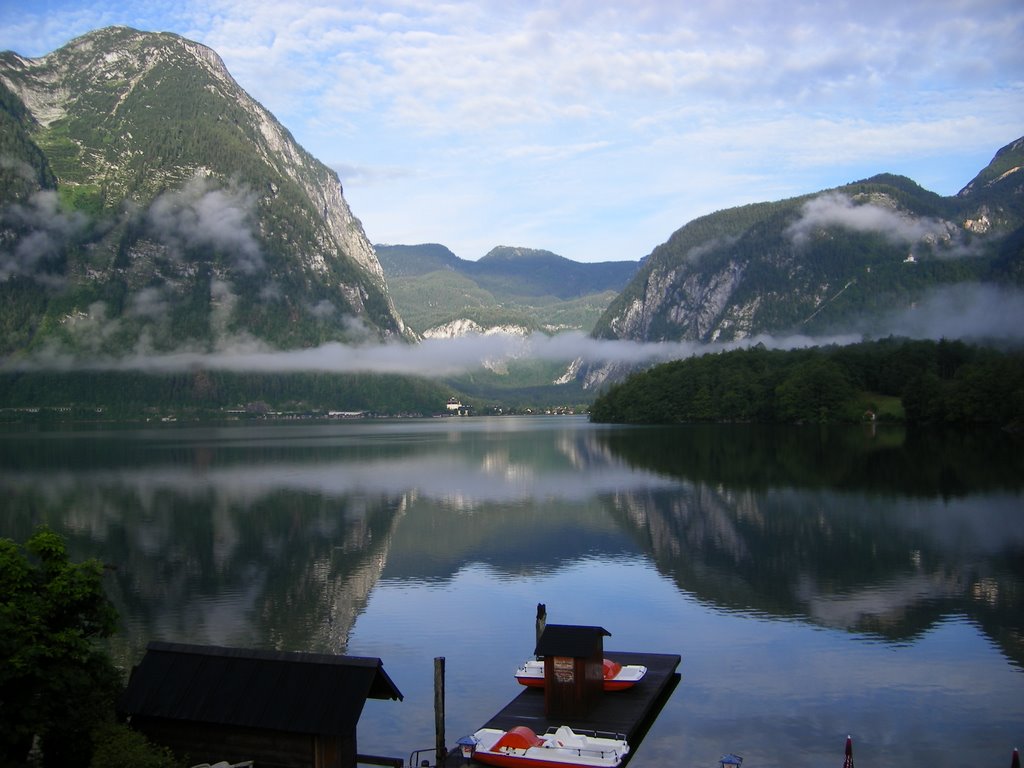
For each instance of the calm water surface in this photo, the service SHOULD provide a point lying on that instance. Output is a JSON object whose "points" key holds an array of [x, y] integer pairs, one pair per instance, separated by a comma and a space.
{"points": [[816, 583]]}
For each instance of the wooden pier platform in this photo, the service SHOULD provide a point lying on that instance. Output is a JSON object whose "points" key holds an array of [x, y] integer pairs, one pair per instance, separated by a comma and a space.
{"points": [[630, 712]]}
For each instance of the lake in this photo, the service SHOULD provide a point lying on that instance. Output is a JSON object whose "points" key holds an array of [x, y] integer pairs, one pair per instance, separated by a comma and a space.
{"points": [[816, 582]]}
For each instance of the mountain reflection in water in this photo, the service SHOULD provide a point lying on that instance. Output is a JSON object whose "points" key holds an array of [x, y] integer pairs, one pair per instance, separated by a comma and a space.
{"points": [[787, 566]]}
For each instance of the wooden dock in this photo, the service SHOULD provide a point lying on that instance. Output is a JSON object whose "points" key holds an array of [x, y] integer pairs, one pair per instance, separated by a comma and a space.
{"points": [[630, 712]]}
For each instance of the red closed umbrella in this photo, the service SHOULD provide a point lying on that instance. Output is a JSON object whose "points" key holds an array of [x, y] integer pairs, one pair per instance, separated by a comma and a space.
{"points": [[848, 762], [1015, 761]]}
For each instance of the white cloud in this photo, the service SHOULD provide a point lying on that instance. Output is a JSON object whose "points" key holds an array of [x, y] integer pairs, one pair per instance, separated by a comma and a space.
{"points": [[38, 231], [323, 309], [148, 302], [834, 209], [597, 128], [203, 215], [967, 312]]}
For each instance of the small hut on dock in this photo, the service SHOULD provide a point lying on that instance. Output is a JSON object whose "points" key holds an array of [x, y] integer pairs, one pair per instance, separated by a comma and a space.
{"points": [[280, 709], [573, 668]]}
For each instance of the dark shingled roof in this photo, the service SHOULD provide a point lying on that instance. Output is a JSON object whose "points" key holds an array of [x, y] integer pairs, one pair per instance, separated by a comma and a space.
{"points": [[570, 640], [275, 690]]}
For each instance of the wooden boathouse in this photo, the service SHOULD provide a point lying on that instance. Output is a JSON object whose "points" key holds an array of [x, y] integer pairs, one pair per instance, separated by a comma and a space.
{"points": [[280, 709]]}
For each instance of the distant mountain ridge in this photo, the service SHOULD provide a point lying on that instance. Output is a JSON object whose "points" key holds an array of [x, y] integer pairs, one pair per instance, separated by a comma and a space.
{"points": [[148, 204], [527, 289], [818, 262]]}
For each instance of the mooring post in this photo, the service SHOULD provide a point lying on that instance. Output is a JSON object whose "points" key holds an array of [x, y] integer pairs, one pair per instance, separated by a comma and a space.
{"points": [[542, 620], [439, 709]]}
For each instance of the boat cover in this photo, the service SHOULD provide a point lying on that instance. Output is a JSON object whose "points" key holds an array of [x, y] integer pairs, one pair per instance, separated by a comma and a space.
{"points": [[519, 737], [611, 669]]}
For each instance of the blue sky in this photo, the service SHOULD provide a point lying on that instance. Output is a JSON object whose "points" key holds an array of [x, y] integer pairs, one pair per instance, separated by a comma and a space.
{"points": [[595, 129]]}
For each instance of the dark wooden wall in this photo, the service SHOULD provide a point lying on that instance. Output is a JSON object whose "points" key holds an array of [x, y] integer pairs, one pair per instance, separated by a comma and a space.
{"points": [[202, 742], [575, 697]]}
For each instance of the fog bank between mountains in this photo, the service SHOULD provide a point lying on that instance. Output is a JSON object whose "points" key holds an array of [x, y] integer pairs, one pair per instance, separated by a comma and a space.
{"points": [[970, 312]]}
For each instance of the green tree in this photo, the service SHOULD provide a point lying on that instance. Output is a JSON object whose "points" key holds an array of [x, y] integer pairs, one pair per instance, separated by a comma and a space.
{"points": [[56, 682], [815, 391], [118, 746]]}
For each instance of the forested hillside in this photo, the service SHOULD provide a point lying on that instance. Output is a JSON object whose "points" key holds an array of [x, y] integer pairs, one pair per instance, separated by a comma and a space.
{"points": [[149, 204], [894, 379], [525, 288], [111, 395]]}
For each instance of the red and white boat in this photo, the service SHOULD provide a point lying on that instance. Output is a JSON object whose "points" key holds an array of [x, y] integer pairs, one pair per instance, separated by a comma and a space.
{"points": [[616, 676], [557, 748]]}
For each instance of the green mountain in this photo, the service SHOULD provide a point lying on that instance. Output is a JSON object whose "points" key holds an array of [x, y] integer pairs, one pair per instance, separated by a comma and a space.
{"points": [[438, 293], [828, 262], [148, 204]]}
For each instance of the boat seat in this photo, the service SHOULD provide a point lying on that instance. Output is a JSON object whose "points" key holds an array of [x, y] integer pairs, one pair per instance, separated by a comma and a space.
{"points": [[566, 737]]}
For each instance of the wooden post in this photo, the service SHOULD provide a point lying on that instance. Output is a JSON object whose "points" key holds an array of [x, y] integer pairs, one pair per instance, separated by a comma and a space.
{"points": [[442, 752], [542, 619]]}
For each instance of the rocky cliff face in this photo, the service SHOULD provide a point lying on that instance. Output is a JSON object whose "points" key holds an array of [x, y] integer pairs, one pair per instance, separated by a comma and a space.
{"points": [[174, 208], [818, 262], [692, 302], [466, 327], [839, 261]]}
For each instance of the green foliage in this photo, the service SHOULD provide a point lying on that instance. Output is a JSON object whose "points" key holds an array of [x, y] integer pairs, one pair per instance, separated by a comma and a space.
{"points": [[22, 302], [414, 260], [533, 289], [63, 154], [431, 299], [435, 298], [705, 243], [206, 394], [142, 129], [937, 382], [907, 193], [85, 198], [118, 746], [1008, 265], [816, 390], [25, 168], [525, 385], [55, 681], [1006, 159], [531, 274]]}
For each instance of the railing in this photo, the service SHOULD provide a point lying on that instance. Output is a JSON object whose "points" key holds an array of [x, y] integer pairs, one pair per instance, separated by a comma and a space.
{"points": [[593, 734], [416, 759], [589, 749]]}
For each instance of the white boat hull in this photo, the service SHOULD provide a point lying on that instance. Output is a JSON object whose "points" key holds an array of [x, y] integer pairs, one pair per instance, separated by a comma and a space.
{"points": [[560, 747], [617, 677]]}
